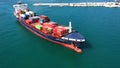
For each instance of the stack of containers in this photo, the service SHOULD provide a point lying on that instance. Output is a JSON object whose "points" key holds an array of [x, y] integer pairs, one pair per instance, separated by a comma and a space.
{"points": [[43, 19], [30, 13], [19, 13], [59, 31], [34, 19], [48, 27], [28, 21]]}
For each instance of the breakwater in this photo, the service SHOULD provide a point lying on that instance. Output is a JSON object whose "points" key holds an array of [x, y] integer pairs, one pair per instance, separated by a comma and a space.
{"points": [[81, 4]]}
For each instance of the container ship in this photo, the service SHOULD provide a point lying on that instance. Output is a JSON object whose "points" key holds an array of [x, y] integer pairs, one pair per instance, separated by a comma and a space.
{"points": [[42, 26]]}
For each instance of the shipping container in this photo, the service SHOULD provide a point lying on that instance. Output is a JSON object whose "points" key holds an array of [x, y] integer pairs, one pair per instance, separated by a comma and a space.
{"points": [[60, 31], [44, 18]]}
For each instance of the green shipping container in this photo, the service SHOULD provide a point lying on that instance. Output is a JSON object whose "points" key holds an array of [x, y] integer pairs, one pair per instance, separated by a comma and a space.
{"points": [[49, 29], [39, 27]]}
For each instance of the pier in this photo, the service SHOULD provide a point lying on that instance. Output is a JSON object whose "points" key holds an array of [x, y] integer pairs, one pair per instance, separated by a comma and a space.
{"points": [[82, 4]]}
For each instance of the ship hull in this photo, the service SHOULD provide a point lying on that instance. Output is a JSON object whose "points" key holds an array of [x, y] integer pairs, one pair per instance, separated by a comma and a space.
{"points": [[50, 38]]}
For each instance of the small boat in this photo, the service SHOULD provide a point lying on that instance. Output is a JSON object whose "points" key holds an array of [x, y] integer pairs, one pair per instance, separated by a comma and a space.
{"points": [[41, 26]]}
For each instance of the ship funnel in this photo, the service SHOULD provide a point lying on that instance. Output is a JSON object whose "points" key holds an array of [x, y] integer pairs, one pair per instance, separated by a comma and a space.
{"points": [[70, 27]]}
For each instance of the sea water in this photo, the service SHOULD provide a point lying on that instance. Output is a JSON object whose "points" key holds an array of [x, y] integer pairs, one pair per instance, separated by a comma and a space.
{"points": [[19, 48]]}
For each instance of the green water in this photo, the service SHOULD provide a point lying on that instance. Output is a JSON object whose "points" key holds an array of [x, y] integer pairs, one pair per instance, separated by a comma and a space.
{"points": [[19, 48]]}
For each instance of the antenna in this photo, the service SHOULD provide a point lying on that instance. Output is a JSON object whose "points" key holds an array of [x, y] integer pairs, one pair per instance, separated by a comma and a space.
{"points": [[70, 27]]}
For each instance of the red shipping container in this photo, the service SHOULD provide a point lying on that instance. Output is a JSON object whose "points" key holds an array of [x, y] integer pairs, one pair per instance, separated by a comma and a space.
{"points": [[46, 31], [60, 31], [50, 25], [20, 18], [28, 21], [45, 18]]}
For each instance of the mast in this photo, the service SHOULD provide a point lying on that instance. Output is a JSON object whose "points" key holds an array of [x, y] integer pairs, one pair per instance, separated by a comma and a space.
{"points": [[70, 27]]}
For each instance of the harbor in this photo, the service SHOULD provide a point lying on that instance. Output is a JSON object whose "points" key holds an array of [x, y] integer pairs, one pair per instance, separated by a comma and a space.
{"points": [[81, 4]]}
